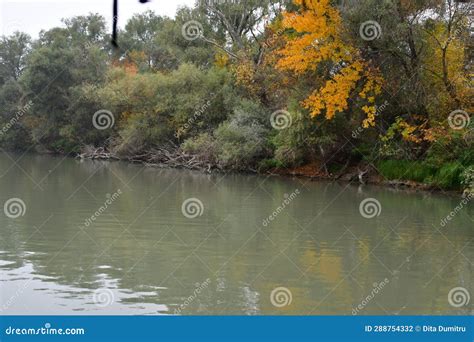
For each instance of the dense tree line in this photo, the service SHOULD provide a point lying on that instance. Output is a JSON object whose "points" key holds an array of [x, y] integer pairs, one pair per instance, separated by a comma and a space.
{"points": [[383, 87]]}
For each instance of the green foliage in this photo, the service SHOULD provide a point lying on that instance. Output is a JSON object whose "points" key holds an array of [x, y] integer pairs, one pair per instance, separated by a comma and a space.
{"points": [[449, 176], [204, 146], [213, 96], [241, 141], [406, 170], [468, 179]]}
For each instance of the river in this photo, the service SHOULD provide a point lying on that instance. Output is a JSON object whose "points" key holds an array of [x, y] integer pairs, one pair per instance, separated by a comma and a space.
{"points": [[95, 237]]}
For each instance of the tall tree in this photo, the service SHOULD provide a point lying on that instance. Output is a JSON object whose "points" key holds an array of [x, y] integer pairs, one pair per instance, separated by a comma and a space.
{"points": [[13, 52]]}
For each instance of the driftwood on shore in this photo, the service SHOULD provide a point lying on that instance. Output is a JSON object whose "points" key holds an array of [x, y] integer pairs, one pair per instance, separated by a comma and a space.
{"points": [[158, 157]]}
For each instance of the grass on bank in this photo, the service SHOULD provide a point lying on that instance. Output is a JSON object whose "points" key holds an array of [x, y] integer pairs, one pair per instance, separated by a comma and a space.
{"points": [[448, 176]]}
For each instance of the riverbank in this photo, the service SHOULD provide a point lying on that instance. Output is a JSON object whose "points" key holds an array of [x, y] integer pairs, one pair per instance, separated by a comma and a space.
{"points": [[361, 173]]}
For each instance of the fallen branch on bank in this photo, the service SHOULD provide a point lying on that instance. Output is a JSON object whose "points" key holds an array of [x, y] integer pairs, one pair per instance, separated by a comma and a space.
{"points": [[158, 157]]}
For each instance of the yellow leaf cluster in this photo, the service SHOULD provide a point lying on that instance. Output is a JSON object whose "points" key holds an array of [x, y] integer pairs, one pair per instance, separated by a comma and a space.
{"points": [[221, 60], [318, 38], [245, 75]]}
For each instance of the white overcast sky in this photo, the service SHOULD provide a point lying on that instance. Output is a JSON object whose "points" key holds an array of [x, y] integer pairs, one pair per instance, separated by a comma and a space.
{"points": [[31, 16]]}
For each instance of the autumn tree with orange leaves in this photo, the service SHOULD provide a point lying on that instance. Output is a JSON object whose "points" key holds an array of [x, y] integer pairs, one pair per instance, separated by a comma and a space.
{"points": [[316, 41]]}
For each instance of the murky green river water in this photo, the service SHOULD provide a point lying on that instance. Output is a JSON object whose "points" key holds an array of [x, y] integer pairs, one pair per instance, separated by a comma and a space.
{"points": [[84, 237]]}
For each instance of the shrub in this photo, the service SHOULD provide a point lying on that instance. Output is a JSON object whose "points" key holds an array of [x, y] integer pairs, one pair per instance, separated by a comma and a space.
{"points": [[204, 146], [242, 140]]}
